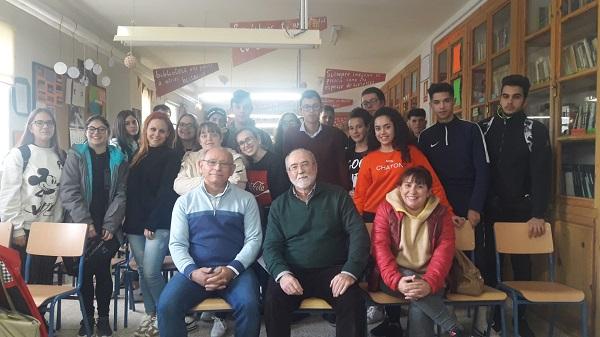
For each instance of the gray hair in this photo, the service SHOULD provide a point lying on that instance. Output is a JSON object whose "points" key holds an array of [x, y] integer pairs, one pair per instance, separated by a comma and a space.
{"points": [[309, 153]]}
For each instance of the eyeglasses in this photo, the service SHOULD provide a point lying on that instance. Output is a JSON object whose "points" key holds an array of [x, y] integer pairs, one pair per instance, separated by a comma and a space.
{"points": [[247, 141], [314, 107], [40, 124], [100, 130], [214, 163], [295, 167], [370, 102], [186, 125]]}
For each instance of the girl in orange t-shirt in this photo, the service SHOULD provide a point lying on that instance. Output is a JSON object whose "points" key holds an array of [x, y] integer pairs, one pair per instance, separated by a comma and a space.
{"points": [[391, 153]]}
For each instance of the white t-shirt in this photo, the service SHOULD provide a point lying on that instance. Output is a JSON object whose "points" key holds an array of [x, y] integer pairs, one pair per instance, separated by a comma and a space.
{"points": [[30, 195]]}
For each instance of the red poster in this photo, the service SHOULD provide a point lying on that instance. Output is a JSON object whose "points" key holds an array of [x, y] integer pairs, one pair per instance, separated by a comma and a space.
{"points": [[243, 55], [338, 80], [336, 102], [169, 79]]}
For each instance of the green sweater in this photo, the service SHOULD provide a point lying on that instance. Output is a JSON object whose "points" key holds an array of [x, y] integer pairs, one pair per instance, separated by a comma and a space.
{"points": [[325, 232]]}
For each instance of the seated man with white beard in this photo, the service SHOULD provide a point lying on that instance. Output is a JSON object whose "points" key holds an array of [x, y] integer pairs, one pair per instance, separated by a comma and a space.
{"points": [[316, 246]]}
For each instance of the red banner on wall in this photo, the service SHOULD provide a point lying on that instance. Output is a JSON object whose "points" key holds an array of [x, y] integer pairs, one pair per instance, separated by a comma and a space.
{"points": [[336, 102], [338, 80], [173, 78], [243, 55]]}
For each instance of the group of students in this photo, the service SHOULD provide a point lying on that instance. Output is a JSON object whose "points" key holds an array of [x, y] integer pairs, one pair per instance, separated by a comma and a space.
{"points": [[414, 189]]}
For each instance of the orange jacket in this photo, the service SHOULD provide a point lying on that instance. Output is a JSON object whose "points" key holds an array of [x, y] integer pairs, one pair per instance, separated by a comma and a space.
{"points": [[379, 173]]}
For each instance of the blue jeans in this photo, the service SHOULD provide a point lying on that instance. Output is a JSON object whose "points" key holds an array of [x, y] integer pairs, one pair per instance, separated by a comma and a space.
{"points": [[181, 294], [423, 313], [149, 256]]}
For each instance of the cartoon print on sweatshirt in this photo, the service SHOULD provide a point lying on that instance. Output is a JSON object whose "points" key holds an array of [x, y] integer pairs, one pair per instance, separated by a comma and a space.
{"points": [[46, 191]]}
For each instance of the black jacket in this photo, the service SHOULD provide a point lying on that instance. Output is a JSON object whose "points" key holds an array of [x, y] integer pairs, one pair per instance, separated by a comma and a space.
{"points": [[150, 194], [457, 153], [519, 176]]}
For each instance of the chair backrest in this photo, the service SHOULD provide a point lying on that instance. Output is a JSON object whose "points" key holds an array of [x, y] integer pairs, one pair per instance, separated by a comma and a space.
{"points": [[56, 239], [5, 233], [465, 237], [513, 238]]}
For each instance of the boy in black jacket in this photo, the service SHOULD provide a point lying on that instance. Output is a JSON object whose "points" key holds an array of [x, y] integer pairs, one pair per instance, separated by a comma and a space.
{"points": [[520, 162]]}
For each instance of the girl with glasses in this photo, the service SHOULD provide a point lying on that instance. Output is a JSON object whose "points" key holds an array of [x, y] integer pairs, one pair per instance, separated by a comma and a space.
{"points": [[29, 189], [187, 134], [93, 192]]}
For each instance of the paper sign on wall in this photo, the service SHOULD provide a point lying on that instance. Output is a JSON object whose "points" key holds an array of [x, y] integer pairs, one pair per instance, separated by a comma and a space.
{"points": [[338, 80], [173, 78], [243, 55], [336, 102]]}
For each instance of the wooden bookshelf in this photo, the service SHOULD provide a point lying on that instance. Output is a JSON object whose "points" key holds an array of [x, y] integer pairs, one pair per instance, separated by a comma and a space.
{"points": [[403, 91], [540, 38]]}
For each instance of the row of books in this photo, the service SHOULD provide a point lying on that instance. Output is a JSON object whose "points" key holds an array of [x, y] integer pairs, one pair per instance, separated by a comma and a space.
{"points": [[577, 119], [579, 55], [501, 38], [497, 75], [539, 71], [578, 180], [569, 6]]}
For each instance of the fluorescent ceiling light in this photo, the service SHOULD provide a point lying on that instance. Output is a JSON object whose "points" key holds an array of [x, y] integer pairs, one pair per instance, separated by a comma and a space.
{"points": [[274, 96], [218, 37]]}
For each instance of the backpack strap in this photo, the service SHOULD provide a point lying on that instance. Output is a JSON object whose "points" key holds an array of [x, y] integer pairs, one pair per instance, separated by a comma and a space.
{"points": [[26, 154], [487, 125], [528, 133]]}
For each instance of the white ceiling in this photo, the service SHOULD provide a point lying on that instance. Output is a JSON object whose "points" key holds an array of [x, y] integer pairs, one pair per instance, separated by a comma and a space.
{"points": [[376, 34]]}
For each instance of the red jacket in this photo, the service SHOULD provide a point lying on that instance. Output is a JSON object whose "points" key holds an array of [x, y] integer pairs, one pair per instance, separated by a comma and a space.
{"points": [[386, 239]]}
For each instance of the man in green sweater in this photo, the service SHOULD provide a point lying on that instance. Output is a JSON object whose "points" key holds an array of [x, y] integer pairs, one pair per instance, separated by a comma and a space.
{"points": [[316, 246]]}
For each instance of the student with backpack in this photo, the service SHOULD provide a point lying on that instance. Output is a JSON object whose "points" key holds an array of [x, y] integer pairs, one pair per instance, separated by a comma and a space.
{"points": [[29, 189], [520, 171]]}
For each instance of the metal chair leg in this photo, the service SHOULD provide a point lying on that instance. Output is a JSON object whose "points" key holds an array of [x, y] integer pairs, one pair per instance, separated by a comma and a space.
{"points": [[515, 310], [58, 315], [86, 322], [584, 319], [51, 323], [502, 320], [552, 319], [116, 292]]}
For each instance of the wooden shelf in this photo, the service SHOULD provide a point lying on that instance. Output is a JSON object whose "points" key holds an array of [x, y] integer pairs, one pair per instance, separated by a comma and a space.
{"points": [[478, 64], [576, 201], [584, 138], [583, 73], [500, 53], [539, 86], [538, 33], [578, 12]]}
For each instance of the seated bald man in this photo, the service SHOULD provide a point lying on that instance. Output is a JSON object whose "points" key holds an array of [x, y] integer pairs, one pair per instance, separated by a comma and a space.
{"points": [[215, 238], [316, 245]]}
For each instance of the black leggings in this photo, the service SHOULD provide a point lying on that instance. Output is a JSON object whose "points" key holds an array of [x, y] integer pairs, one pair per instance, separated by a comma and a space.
{"points": [[98, 266]]}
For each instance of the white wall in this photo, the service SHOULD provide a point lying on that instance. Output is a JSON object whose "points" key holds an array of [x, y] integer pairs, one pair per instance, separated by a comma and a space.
{"points": [[35, 41]]}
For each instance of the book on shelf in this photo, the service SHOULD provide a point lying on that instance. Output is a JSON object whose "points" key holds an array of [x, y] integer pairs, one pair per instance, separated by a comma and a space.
{"points": [[578, 180], [578, 120], [579, 55], [501, 37], [541, 69], [542, 17], [497, 75]]}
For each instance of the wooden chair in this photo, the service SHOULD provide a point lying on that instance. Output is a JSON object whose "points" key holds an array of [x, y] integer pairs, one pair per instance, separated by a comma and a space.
{"points": [[5, 233], [513, 238], [56, 239], [491, 297], [379, 297]]}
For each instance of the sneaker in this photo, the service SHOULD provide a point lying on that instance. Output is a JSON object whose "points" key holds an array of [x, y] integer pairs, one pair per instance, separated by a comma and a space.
{"points": [[152, 328], [144, 325], [82, 331], [190, 323], [219, 328], [375, 314], [103, 327], [207, 316]]}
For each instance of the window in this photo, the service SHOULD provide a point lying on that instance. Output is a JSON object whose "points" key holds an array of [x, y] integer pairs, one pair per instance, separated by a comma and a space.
{"points": [[7, 65], [146, 104]]}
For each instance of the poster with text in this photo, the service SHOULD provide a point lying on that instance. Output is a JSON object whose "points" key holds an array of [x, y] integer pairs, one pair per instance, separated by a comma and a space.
{"points": [[96, 100], [338, 80], [48, 88]]}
